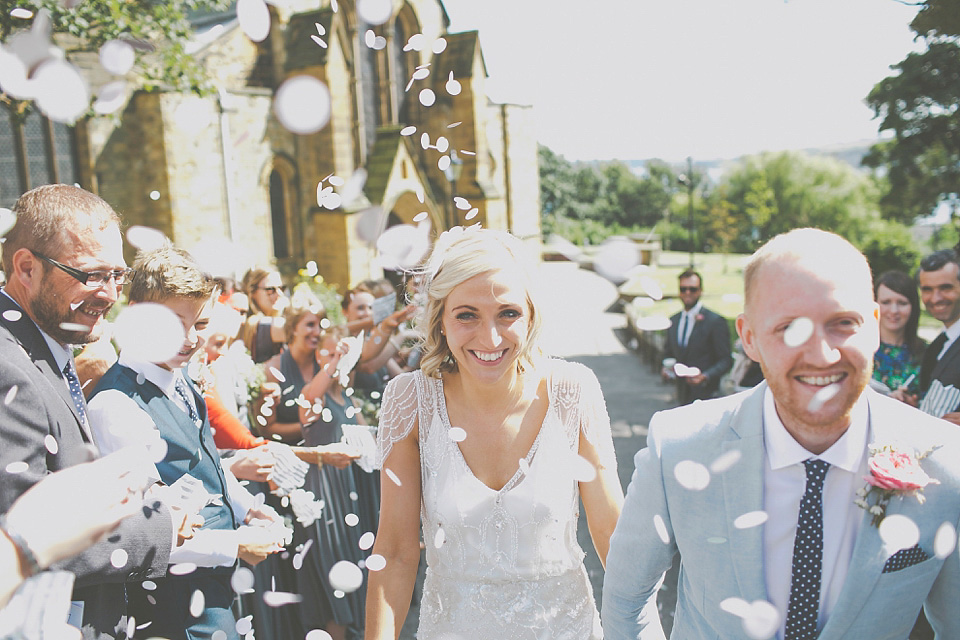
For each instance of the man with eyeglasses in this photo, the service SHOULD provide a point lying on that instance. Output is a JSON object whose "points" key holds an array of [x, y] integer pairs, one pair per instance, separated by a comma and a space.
{"points": [[64, 266], [697, 353]]}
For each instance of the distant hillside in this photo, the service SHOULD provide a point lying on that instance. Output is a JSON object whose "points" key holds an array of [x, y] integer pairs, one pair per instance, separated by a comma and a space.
{"points": [[850, 153]]}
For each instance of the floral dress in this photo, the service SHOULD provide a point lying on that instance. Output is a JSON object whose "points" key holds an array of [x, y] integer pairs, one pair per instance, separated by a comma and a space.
{"points": [[895, 364]]}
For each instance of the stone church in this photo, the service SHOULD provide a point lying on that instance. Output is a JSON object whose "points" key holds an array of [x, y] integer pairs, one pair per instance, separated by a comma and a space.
{"points": [[221, 175]]}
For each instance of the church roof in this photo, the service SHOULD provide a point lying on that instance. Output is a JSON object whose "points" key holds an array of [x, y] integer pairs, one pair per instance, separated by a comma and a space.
{"points": [[458, 56]]}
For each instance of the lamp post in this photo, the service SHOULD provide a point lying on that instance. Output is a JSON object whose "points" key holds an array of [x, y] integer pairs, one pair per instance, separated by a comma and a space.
{"points": [[686, 179], [452, 173]]}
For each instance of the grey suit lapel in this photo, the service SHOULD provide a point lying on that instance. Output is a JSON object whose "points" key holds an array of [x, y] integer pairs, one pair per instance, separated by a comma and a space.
{"points": [[946, 363], [26, 333], [743, 493]]}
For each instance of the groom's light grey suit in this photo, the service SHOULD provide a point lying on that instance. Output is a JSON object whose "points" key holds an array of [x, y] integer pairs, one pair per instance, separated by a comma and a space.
{"points": [[719, 561]]}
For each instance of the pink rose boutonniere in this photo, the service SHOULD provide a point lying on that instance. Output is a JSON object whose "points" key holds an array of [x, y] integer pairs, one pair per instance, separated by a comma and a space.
{"points": [[699, 317], [893, 472]]}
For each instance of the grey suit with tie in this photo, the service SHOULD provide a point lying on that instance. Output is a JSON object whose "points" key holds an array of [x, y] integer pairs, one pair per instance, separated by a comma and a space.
{"points": [[719, 561], [40, 406]]}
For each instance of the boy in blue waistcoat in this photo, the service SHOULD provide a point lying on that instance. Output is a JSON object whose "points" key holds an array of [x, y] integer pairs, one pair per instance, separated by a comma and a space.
{"points": [[134, 401]]}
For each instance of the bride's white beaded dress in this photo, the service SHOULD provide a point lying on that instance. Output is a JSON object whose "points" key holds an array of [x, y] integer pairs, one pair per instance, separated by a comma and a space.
{"points": [[504, 563]]}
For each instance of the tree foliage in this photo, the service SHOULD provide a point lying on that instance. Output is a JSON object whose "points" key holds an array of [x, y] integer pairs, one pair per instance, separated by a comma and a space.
{"points": [[158, 31], [607, 196], [919, 105]]}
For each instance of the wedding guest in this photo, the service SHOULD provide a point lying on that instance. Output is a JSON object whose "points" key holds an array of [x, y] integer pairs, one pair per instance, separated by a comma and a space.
{"points": [[939, 281], [64, 264], [897, 362], [495, 446], [262, 332], [56, 518], [136, 399], [762, 493], [699, 340]]}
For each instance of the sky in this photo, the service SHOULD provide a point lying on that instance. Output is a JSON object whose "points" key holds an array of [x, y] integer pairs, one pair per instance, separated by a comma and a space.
{"points": [[711, 79]]}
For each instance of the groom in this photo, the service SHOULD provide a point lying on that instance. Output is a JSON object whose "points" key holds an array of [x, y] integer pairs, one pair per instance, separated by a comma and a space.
{"points": [[757, 491]]}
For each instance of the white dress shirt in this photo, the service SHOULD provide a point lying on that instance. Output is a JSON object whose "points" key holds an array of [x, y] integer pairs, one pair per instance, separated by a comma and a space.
{"points": [[784, 483], [118, 421], [953, 332], [687, 320]]}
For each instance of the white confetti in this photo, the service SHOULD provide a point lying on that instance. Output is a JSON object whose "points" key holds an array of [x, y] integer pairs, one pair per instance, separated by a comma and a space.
{"points": [[12, 315], [351, 519], [408, 131], [111, 97], [898, 532], [424, 141], [318, 634], [219, 634], [320, 30], [461, 203], [376, 562], [11, 394], [154, 195], [118, 558], [692, 475], [454, 125], [370, 38], [457, 434], [471, 214], [417, 42], [242, 580], [442, 144], [725, 460], [51, 444], [17, 467], [453, 86], [366, 540], [61, 91], [443, 163], [117, 57], [823, 396], [318, 40], [149, 585], [651, 287], [244, 625], [254, 19], [302, 104], [750, 519], [197, 603], [524, 466], [683, 371], [346, 576], [661, 528], [945, 540], [77, 327], [279, 376], [427, 97], [420, 217], [798, 332], [421, 74], [393, 477], [148, 332], [762, 620], [439, 538], [182, 568], [375, 11], [21, 13], [280, 598], [439, 45]]}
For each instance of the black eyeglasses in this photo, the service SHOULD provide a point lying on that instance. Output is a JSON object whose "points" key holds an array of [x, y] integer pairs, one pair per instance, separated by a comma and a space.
{"points": [[689, 289], [270, 289], [93, 279]]}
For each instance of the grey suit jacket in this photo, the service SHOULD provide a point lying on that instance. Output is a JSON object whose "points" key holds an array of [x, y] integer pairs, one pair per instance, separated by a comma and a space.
{"points": [[718, 561], [40, 406], [708, 349]]}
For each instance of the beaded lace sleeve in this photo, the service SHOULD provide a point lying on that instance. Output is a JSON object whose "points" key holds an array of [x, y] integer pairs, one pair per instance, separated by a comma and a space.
{"points": [[583, 409], [398, 413]]}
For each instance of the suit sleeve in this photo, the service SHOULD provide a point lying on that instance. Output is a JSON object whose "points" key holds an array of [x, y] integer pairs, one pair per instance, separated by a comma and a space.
{"points": [[722, 356], [641, 551], [941, 605]]}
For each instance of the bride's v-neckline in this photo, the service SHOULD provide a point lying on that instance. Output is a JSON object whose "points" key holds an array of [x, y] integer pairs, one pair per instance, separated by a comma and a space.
{"points": [[520, 472]]}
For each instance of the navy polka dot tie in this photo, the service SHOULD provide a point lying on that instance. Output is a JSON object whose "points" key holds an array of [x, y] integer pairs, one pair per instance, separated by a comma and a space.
{"points": [[76, 393], [184, 394], [804, 603]]}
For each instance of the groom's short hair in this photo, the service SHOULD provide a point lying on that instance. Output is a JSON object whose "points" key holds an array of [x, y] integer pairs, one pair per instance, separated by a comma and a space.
{"points": [[819, 250]]}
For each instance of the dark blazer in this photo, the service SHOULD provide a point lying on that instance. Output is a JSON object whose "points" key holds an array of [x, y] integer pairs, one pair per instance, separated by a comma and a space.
{"points": [[708, 349], [943, 393], [39, 407]]}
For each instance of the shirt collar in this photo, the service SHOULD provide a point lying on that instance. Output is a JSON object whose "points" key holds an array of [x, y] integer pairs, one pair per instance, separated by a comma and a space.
{"points": [[953, 332], [61, 354], [692, 313], [783, 451], [165, 380]]}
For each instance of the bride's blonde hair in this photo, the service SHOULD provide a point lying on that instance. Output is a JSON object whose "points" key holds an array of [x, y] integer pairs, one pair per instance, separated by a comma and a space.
{"points": [[458, 255]]}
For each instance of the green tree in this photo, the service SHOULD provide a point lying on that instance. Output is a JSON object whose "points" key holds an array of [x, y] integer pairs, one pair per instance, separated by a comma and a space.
{"points": [[919, 105], [159, 30]]}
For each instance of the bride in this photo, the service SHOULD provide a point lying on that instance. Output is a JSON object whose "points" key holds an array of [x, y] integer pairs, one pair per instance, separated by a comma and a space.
{"points": [[491, 446]]}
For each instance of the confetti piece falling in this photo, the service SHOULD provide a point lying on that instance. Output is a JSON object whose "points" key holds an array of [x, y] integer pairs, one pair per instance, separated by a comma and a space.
{"points": [[346, 576], [725, 460], [117, 57], [366, 540], [661, 528], [393, 477], [12, 315], [750, 520], [692, 475], [376, 562], [798, 332], [242, 580], [118, 558], [11, 394], [945, 540], [302, 104], [427, 97], [17, 467], [898, 532]]}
